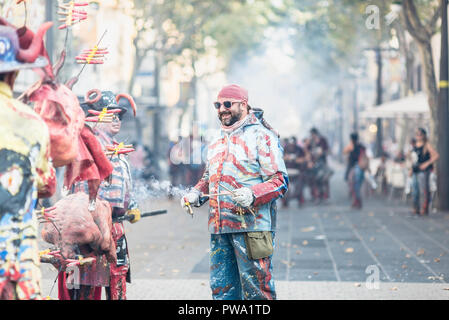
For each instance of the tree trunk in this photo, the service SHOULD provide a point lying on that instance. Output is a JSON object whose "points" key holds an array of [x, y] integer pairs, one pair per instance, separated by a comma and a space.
{"points": [[379, 92], [425, 50], [423, 35], [443, 147], [408, 54]]}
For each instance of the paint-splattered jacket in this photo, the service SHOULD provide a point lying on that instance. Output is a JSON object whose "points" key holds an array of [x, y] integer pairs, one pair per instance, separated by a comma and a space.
{"points": [[25, 172], [250, 156]]}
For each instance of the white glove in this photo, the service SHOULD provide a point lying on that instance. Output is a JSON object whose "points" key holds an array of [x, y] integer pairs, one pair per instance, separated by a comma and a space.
{"points": [[243, 196], [191, 198]]}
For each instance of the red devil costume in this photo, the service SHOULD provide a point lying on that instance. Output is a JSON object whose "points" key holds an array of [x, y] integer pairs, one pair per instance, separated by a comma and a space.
{"points": [[116, 190], [72, 143]]}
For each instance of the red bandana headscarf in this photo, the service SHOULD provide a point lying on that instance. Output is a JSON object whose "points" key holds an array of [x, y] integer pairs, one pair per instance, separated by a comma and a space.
{"points": [[234, 91]]}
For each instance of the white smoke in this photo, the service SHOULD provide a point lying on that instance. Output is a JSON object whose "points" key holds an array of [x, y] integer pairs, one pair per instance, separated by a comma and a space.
{"points": [[155, 189]]}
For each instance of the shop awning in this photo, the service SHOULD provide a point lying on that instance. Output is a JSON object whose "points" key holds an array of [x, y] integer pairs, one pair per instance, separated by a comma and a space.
{"points": [[415, 106]]}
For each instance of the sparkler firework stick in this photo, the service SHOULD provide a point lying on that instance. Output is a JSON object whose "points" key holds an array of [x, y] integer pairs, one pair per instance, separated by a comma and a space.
{"points": [[216, 194], [232, 192]]}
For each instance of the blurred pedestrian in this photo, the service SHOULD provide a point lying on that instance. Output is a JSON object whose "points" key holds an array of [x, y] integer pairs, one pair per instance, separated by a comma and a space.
{"points": [[357, 164], [381, 175], [195, 167], [175, 161], [423, 157], [318, 149], [295, 161], [246, 158], [409, 165]]}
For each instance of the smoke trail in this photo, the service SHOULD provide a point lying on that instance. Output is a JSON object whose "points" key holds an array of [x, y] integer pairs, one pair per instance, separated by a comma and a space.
{"points": [[155, 189]]}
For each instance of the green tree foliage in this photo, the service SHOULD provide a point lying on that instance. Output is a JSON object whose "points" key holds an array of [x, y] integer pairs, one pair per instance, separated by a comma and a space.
{"points": [[177, 28], [333, 34]]}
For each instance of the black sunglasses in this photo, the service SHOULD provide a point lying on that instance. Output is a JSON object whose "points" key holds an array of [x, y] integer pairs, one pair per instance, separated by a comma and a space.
{"points": [[226, 104], [116, 118]]}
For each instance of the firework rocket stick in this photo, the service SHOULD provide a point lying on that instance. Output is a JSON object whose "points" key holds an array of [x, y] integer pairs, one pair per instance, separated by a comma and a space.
{"points": [[216, 194], [125, 146], [232, 192], [98, 43], [124, 151], [71, 16], [111, 111]]}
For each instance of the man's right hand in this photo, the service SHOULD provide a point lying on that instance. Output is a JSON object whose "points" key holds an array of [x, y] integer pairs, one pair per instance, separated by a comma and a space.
{"points": [[190, 199]]}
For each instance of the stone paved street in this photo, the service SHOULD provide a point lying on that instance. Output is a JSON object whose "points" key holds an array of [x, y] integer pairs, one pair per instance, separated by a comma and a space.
{"points": [[322, 252]]}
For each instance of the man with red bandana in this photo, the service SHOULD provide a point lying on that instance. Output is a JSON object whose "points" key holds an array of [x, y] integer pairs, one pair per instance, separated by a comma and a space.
{"points": [[245, 175]]}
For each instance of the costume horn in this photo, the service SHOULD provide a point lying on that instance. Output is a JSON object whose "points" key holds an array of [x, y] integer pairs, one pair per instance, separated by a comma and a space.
{"points": [[94, 99], [30, 54], [130, 99]]}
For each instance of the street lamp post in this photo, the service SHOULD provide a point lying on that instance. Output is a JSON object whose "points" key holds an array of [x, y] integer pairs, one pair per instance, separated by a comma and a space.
{"points": [[379, 133], [443, 123]]}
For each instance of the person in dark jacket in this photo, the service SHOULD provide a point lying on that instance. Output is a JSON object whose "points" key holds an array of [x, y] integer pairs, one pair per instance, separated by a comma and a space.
{"points": [[355, 172], [423, 158]]}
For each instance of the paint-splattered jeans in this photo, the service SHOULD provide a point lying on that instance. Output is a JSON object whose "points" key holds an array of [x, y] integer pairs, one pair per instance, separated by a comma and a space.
{"points": [[233, 276]]}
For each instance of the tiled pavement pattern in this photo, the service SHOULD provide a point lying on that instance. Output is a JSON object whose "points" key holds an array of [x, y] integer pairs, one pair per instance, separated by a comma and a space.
{"points": [[322, 252]]}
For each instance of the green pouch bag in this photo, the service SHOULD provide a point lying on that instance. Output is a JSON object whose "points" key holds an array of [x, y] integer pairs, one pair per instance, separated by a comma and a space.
{"points": [[259, 244]]}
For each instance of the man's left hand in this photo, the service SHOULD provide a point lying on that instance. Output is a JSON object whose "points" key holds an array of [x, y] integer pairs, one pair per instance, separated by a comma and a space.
{"points": [[243, 196], [136, 213]]}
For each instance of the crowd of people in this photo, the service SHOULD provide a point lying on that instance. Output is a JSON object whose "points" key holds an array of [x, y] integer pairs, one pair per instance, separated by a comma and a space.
{"points": [[307, 167], [414, 168]]}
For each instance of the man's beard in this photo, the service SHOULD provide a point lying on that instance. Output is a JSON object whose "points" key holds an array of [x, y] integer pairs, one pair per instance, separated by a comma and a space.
{"points": [[232, 119]]}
